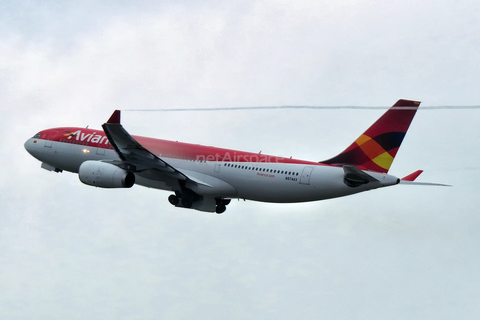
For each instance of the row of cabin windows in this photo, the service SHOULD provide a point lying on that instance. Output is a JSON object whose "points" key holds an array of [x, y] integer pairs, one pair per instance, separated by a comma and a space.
{"points": [[82, 143], [290, 173], [74, 142]]}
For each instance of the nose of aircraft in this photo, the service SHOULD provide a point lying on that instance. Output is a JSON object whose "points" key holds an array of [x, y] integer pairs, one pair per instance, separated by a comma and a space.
{"points": [[26, 145], [30, 145]]}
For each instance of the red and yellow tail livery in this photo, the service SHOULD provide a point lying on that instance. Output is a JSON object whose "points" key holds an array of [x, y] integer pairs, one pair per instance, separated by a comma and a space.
{"points": [[375, 149]]}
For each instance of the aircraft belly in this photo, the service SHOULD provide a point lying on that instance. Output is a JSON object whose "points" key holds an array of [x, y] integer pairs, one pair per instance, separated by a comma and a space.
{"points": [[325, 183], [150, 183], [203, 180]]}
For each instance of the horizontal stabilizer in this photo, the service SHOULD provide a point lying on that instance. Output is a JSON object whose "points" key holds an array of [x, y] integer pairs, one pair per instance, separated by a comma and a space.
{"points": [[424, 183], [412, 176]]}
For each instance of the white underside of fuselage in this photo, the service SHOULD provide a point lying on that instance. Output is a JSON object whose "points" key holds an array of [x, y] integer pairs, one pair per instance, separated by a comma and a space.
{"points": [[259, 181]]}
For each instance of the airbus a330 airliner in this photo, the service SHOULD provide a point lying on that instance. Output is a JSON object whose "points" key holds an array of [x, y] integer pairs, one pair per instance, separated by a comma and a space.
{"points": [[207, 178]]}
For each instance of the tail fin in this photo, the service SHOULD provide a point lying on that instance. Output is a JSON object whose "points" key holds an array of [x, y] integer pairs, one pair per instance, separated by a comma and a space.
{"points": [[376, 148]]}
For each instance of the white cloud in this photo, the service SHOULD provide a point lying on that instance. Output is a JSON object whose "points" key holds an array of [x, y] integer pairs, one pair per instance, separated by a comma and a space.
{"points": [[74, 251]]}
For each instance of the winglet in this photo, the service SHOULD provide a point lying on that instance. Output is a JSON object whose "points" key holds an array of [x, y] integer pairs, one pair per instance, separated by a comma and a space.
{"points": [[115, 117], [412, 176]]}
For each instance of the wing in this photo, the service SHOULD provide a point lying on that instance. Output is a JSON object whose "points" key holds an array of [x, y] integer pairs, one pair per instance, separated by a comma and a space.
{"points": [[134, 157]]}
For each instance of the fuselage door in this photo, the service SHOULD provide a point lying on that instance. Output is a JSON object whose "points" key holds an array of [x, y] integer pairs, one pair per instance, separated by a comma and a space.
{"points": [[306, 173], [217, 167], [49, 141]]}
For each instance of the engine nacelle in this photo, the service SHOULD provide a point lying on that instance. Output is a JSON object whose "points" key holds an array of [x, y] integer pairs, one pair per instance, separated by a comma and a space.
{"points": [[105, 175]]}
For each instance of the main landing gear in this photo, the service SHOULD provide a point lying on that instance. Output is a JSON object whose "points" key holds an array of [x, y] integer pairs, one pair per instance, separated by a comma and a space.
{"points": [[186, 200], [183, 199], [221, 205], [173, 199]]}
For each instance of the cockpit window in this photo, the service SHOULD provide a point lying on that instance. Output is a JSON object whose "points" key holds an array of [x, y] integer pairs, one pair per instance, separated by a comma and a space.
{"points": [[36, 136]]}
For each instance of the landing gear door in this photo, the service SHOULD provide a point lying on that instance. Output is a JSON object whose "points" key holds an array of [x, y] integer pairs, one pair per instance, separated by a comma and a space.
{"points": [[306, 173]]}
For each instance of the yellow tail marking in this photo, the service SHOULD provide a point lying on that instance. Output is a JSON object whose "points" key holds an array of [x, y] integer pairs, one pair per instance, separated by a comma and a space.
{"points": [[384, 160]]}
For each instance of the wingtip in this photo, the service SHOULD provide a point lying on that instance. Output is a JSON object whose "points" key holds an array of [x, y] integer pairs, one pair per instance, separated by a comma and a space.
{"points": [[115, 117], [407, 103]]}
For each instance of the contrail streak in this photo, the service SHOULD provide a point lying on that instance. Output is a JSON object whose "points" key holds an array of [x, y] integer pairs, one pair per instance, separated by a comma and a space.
{"points": [[298, 107]]}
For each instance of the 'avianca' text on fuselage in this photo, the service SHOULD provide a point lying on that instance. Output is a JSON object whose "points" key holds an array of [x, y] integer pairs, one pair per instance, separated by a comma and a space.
{"points": [[92, 137], [207, 178]]}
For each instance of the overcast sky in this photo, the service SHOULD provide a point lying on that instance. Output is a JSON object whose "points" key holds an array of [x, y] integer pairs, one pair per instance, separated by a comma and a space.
{"points": [[70, 251]]}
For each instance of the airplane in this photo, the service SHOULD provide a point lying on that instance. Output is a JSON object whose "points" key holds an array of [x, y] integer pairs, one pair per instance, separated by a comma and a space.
{"points": [[206, 178]]}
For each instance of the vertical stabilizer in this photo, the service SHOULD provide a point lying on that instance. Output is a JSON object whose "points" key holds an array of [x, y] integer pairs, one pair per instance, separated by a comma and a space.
{"points": [[376, 148]]}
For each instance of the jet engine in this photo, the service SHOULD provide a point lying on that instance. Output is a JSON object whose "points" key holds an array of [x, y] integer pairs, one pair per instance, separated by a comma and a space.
{"points": [[105, 175]]}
